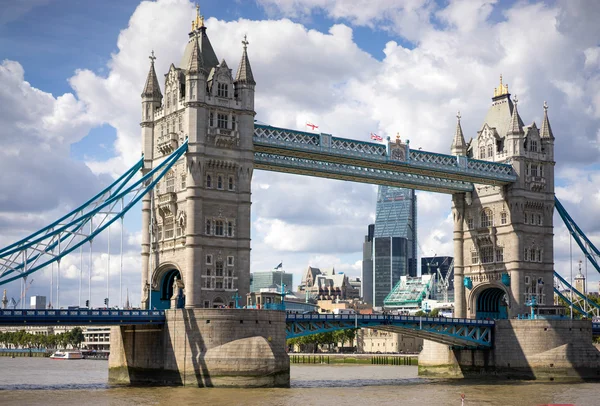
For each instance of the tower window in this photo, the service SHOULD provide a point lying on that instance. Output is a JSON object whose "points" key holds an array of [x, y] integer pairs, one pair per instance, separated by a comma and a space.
{"points": [[487, 255], [229, 229], [208, 227], [211, 119], [208, 260], [208, 181], [539, 218], [474, 257], [222, 89], [208, 271], [230, 185], [487, 218], [219, 268], [180, 124], [482, 152], [534, 146], [207, 287], [222, 120], [183, 181], [526, 254], [219, 182], [170, 182], [470, 223], [218, 227], [490, 151], [230, 261], [534, 170], [233, 122], [219, 285], [169, 224], [499, 254], [503, 217]]}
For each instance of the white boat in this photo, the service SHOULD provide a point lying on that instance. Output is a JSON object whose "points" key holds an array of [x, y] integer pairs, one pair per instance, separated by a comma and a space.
{"points": [[67, 355]]}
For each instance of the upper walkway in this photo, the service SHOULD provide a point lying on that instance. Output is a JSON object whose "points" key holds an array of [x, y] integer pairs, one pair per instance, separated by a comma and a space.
{"points": [[322, 155]]}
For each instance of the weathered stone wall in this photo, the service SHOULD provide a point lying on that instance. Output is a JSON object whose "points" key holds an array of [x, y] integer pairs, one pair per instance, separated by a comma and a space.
{"points": [[204, 347], [523, 349]]}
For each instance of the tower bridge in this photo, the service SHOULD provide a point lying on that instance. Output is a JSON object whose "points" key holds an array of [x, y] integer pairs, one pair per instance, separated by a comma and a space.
{"points": [[200, 148]]}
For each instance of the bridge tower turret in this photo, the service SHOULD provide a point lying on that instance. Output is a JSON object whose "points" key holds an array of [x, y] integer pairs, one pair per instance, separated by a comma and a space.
{"points": [[503, 235], [200, 223]]}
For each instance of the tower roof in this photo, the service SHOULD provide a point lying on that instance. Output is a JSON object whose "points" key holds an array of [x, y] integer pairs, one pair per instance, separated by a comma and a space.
{"points": [[516, 124], [244, 73], [152, 88], [546, 130], [198, 36], [196, 63], [500, 113], [459, 144]]}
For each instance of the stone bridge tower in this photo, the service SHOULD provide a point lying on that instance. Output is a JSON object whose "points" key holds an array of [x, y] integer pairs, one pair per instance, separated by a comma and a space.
{"points": [[196, 226], [503, 235]]}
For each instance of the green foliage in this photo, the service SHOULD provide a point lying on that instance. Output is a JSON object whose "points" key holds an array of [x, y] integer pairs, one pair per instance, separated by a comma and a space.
{"points": [[325, 339], [23, 339], [435, 312], [420, 313]]}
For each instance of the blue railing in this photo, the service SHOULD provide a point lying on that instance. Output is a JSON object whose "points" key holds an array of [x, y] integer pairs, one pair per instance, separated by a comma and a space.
{"points": [[103, 317]]}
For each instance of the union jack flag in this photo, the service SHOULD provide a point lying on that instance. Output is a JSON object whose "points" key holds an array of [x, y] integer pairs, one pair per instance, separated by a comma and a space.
{"points": [[376, 137]]}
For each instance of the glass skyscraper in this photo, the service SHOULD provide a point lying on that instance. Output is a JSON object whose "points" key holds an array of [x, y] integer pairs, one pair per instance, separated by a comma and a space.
{"points": [[270, 279], [393, 243]]}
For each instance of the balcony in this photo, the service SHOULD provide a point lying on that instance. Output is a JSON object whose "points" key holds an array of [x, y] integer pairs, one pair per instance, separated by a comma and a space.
{"points": [[167, 203], [536, 183], [167, 143], [224, 137]]}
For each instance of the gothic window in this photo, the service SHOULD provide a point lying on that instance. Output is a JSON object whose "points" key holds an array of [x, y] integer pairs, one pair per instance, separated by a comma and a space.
{"points": [[175, 99], [222, 120], [539, 219], [528, 170], [487, 255], [230, 261], [208, 227], [481, 152], [233, 122], [533, 146], [230, 185], [159, 232], [229, 229], [470, 223], [489, 151], [169, 225], [206, 304], [526, 258], [178, 229], [218, 227], [541, 170], [474, 257], [183, 181], [526, 218], [192, 86], [539, 255], [170, 182], [534, 170], [503, 217], [211, 119], [219, 182], [230, 272], [532, 219], [208, 181], [499, 254], [208, 259], [219, 285], [219, 268], [487, 218], [207, 287], [222, 89], [208, 271], [229, 286]]}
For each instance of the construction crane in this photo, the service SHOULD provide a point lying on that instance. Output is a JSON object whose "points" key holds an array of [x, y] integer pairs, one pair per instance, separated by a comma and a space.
{"points": [[443, 282]]}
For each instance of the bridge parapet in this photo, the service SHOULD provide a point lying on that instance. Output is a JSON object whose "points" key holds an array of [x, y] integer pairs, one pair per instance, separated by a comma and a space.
{"points": [[103, 317]]}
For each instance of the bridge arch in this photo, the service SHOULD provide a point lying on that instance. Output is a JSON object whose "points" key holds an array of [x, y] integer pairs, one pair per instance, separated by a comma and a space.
{"points": [[489, 301], [162, 285]]}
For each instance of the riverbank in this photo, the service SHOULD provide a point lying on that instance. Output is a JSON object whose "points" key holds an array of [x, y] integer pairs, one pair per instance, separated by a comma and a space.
{"points": [[364, 359]]}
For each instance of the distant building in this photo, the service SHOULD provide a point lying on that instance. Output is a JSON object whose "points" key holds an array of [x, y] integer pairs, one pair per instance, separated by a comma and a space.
{"points": [[270, 279], [377, 341], [38, 302], [431, 265], [390, 247], [580, 282], [327, 285]]}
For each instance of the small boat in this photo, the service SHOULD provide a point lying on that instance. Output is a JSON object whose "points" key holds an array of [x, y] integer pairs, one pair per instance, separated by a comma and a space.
{"points": [[67, 355]]}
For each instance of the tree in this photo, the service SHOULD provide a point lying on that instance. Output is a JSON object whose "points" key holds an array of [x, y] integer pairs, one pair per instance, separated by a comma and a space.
{"points": [[420, 313], [435, 312]]}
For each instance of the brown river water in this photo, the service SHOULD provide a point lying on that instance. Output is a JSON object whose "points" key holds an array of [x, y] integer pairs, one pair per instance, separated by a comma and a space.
{"points": [[41, 381]]}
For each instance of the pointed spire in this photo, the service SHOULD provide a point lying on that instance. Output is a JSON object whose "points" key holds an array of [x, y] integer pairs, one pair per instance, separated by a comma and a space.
{"points": [[516, 124], [152, 88], [459, 146], [546, 131], [196, 61], [244, 73], [500, 90]]}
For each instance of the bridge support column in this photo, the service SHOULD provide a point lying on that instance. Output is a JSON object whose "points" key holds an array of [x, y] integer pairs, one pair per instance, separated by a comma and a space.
{"points": [[203, 348], [145, 249], [458, 210], [551, 350]]}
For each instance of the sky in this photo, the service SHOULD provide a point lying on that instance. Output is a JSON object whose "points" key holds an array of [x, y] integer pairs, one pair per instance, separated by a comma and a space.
{"points": [[71, 74]]}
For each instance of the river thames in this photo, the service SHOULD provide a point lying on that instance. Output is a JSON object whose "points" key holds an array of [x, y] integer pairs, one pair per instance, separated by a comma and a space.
{"points": [[31, 381]]}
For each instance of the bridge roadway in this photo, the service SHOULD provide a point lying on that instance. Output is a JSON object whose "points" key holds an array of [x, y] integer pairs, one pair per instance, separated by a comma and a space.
{"points": [[467, 333]]}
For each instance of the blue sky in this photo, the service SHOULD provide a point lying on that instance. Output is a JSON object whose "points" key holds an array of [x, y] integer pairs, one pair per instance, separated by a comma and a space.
{"points": [[71, 73]]}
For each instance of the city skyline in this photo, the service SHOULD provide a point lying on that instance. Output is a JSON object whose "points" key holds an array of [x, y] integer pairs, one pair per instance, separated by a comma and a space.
{"points": [[82, 109]]}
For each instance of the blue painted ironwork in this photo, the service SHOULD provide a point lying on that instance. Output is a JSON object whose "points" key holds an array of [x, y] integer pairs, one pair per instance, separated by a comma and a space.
{"points": [[326, 148], [101, 317], [54, 242], [452, 331], [356, 173]]}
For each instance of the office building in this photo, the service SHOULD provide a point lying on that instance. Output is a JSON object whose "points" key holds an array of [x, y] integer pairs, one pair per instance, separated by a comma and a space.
{"points": [[393, 240], [270, 279], [38, 302]]}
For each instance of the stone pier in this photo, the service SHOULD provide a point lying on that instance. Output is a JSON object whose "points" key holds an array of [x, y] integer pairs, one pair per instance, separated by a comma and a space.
{"points": [[203, 348], [548, 350]]}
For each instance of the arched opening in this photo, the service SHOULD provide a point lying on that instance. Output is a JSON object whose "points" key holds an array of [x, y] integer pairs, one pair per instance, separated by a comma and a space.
{"points": [[162, 301], [218, 303], [492, 304]]}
